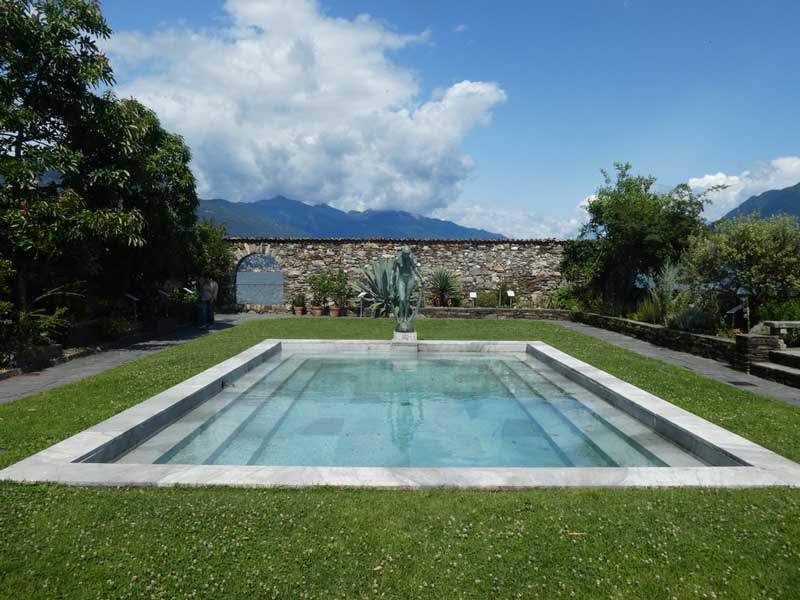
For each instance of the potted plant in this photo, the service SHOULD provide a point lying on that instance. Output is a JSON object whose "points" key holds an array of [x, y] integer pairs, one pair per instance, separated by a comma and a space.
{"points": [[340, 292], [320, 285], [299, 303]]}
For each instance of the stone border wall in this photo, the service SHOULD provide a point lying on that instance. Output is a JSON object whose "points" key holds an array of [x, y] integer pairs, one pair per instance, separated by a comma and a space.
{"points": [[708, 346], [532, 267]]}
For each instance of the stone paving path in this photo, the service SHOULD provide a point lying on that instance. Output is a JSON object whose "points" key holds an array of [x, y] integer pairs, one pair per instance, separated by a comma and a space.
{"points": [[697, 364], [80, 368]]}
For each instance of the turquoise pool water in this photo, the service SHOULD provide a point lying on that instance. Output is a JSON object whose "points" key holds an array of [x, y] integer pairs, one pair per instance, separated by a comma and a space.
{"points": [[414, 410]]}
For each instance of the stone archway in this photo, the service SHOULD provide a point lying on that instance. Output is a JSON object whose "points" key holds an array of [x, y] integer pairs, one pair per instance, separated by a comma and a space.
{"points": [[259, 281]]}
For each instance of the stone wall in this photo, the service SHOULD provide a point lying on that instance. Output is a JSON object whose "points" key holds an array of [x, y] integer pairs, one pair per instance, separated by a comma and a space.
{"points": [[531, 267], [502, 314], [708, 346]]}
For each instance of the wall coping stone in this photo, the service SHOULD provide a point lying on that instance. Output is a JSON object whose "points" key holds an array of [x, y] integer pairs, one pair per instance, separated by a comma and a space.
{"points": [[393, 240]]}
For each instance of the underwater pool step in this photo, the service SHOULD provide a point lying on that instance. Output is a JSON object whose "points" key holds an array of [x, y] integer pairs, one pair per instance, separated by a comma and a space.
{"points": [[621, 447], [217, 431]]}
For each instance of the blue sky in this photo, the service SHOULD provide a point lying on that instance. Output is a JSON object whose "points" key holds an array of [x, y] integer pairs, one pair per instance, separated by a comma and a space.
{"points": [[702, 91]]}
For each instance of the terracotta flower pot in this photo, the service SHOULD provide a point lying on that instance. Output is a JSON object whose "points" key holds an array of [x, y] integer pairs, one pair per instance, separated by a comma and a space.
{"points": [[316, 311], [335, 310], [298, 310]]}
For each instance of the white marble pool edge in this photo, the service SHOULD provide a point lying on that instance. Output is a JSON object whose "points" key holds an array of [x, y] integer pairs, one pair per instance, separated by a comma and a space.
{"points": [[61, 463]]}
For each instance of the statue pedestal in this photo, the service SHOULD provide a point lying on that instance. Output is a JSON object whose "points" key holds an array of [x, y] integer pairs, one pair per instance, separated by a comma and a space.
{"points": [[404, 337]]}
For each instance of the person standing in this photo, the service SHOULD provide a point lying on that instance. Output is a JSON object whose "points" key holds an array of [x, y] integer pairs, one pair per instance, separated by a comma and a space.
{"points": [[208, 299]]}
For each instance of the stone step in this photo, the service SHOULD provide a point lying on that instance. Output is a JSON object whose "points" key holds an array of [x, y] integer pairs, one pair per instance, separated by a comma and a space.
{"points": [[780, 373], [787, 358]]}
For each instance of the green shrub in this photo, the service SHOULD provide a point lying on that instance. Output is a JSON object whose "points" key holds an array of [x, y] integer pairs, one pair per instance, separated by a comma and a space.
{"points": [[339, 288], [299, 299], [320, 284], [113, 327], [649, 311], [445, 287], [486, 299], [696, 319], [564, 298], [788, 310], [379, 286]]}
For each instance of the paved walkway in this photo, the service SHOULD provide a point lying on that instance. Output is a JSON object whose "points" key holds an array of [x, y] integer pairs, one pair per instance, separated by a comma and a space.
{"points": [[697, 364], [80, 368]]}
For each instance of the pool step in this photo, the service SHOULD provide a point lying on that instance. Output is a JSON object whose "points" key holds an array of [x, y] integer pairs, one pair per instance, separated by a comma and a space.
{"points": [[619, 447], [207, 442], [571, 440]]}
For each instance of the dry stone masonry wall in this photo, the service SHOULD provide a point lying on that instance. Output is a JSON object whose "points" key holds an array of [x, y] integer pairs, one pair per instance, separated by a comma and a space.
{"points": [[530, 267]]}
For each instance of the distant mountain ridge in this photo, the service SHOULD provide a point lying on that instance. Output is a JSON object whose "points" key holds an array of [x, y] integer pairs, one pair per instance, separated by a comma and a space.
{"points": [[284, 217], [767, 204]]}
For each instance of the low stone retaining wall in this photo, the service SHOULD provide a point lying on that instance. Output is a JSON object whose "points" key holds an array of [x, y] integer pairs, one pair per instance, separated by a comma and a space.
{"points": [[708, 346], [468, 312]]}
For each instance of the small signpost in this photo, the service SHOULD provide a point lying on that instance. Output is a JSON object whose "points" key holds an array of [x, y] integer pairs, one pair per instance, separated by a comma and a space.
{"points": [[361, 302], [473, 296]]}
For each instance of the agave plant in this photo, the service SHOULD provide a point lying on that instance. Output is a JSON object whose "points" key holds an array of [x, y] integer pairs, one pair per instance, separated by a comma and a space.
{"points": [[444, 285], [379, 286]]}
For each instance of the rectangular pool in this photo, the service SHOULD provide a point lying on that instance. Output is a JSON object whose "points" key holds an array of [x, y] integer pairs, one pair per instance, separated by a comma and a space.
{"points": [[466, 414], [408, 410]]}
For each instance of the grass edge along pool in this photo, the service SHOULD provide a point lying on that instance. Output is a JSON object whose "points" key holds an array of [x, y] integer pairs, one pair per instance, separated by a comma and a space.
{"points": [[85, 459]]}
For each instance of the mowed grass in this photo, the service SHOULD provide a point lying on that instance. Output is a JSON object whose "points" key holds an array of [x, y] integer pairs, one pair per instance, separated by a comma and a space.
{"points": [[323, 543]]}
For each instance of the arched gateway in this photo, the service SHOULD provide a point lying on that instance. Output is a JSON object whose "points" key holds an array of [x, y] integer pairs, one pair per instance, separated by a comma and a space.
{"points": [[259, 280]]}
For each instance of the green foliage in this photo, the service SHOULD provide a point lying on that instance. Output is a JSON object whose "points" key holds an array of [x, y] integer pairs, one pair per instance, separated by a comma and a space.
{"points": [[781, 310], [486, 299], [445, 287], [211, 254], [113, 327], [340, 290], [299, 299], [380, 288], [138, 166], [49, 63], [659, 305], [786, 310], [320, 284], [631, 233], [565, 298], [760, 255]]}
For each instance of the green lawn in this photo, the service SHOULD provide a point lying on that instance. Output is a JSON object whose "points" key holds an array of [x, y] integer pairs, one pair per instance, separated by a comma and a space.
{"points": [[323, 543]]}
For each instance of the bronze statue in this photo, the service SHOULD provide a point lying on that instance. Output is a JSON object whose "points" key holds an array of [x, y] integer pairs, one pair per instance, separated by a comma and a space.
{"points": [[404, 272]]}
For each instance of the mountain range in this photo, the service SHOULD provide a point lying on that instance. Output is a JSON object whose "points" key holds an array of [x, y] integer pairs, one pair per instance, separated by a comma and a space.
{"points": [[284, 217], [773, 202]]}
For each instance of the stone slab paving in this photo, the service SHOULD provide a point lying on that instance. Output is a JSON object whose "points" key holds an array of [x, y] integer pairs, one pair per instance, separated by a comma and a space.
{"points": [[31, 383], [697, 364]]}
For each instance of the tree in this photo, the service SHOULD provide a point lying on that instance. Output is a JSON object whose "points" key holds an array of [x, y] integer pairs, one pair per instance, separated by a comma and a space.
{"points": [[138, 166], [212, 254], [49, 64], [760, 256], [632, 232]]}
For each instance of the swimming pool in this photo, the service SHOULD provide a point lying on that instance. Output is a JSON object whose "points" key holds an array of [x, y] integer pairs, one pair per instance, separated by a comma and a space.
{"points": [[469, 414], [409, 410]]}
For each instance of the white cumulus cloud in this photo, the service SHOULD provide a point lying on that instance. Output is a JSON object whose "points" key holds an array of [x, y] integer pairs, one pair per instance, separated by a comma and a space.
{"points": [[288, 100], [514, 223], [776, 174]]}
